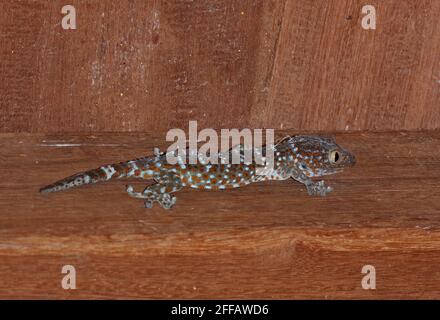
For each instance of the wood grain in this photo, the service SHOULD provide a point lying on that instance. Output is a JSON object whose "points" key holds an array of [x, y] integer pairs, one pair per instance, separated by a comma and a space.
{"points": [[267, 240], [154, 65]]}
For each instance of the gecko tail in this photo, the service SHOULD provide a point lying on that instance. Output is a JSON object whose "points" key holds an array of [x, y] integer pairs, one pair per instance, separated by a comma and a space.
{"points": [[104, 173], [77, 180], [112, 171]]}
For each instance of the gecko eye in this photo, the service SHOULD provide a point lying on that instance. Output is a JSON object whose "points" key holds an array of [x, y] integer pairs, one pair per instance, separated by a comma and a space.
{"points": [[334, 156]]}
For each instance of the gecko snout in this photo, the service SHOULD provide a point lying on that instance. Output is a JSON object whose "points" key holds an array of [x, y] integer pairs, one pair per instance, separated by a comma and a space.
{"points": [[351, 159]]}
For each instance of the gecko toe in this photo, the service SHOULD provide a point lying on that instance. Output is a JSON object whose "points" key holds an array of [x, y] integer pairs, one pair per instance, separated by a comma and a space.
{"points": [[148, 204]]}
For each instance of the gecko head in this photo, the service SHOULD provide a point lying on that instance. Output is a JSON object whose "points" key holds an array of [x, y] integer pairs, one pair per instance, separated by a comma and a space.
{"points": [[319, 156]]}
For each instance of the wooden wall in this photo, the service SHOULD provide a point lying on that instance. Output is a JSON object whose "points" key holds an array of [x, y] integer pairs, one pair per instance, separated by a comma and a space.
{"points": [[154, 65]]}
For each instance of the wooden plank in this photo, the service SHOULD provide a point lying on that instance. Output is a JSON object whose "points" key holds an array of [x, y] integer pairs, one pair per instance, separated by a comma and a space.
{"points": [[153, 65], [331, 74], [268, 240], [131, 65]]}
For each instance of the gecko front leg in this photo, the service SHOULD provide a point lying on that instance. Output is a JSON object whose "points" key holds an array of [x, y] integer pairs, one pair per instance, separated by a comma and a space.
{"points": [[159, 192], [313, 188]]}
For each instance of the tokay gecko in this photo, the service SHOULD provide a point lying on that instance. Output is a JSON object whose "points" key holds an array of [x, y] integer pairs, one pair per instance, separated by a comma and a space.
{"points": [[298, 157]]}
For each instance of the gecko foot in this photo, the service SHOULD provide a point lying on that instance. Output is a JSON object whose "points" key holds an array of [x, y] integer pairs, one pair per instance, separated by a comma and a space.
{"points": [[153, 194], [166, 200], [318, 189]]}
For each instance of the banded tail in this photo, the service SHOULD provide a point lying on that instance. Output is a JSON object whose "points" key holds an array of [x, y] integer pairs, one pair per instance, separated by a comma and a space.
{"points": [[104, 173]]}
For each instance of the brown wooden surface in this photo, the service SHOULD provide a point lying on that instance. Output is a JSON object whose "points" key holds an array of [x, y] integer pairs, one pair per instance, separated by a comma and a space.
{"points": [[267, 240], [153, 65]]}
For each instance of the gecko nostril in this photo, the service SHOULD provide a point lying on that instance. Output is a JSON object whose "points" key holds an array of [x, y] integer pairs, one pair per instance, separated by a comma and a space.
{"points": [[353, 159]]}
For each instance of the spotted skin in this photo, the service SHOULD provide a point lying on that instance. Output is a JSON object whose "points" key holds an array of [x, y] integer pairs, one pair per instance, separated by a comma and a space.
{"points": [[299, 157]]}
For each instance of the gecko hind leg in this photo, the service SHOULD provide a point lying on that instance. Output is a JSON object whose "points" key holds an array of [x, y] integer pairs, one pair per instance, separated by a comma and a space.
{"points": [[159, 192], [154, 193]]}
